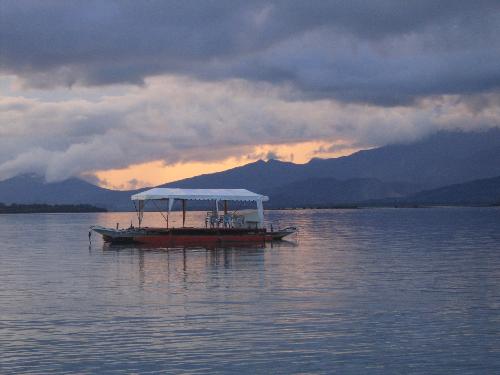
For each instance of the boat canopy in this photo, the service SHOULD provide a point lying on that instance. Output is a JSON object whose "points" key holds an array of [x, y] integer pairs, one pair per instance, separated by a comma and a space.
{"points": [[217, 195], [200, 194]]}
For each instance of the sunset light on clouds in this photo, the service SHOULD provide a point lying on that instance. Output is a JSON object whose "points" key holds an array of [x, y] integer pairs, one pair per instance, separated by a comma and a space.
{"points": [[129, 94], [157, 172]]}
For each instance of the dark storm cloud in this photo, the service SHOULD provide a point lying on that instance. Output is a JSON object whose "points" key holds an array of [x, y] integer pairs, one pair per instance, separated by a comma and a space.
{"points": [[383, 52]]}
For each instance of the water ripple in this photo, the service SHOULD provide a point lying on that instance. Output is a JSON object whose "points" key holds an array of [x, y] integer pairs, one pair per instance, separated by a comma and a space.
{"points": [[359, 291]]}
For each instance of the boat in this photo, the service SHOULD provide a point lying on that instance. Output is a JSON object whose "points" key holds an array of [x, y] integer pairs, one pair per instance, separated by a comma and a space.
{"points": [[220, 226]]}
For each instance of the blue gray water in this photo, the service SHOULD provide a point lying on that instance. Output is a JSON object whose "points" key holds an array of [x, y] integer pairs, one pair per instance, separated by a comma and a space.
{"points": [[375, 291]]}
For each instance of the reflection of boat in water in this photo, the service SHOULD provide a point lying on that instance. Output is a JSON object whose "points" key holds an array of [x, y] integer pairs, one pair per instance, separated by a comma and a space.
{"points": [[233, 246], [220, 228]]}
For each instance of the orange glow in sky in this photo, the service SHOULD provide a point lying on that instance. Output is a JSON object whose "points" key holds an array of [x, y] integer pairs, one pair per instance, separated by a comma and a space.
{"points": [[156, 172]]}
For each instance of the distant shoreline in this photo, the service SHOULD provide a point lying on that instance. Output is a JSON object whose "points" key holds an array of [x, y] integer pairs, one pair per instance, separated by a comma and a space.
{"points": [[358, 207], [48, 208]]}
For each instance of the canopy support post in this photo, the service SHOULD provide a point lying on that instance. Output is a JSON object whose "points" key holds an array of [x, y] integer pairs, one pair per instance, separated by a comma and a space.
{"points": [[137, 212], [141, 211], [139, 208], [170, 205], [260, 211], [225, 207], [183, 212]]}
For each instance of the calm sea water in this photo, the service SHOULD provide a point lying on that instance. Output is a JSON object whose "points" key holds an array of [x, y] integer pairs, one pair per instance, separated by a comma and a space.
{"points": [[375, 291]]}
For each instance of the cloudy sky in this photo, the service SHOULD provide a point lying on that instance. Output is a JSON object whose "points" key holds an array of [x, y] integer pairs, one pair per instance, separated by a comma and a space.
{"points": [[133, 93]]}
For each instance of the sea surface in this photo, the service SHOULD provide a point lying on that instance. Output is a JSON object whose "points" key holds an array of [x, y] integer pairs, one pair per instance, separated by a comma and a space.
{"points": [[368, 291]]}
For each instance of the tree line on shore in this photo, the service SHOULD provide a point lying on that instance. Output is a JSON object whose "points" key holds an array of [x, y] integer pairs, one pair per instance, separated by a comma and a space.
{"points": [[48, 208]]}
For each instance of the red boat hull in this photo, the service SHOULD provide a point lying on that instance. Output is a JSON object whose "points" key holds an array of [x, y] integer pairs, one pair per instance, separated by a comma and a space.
{"points": [[189, 236]]}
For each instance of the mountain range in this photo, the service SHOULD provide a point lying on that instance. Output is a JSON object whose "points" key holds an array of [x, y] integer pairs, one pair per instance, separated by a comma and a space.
{"points": [[32, 189], [477, 192], [431, 171]]}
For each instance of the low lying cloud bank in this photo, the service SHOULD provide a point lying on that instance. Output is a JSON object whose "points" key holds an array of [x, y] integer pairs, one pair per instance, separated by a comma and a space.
{"points": [[181, 120]]}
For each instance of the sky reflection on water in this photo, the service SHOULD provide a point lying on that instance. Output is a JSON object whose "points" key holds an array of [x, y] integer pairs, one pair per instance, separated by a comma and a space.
{"points": [[359, 291]]}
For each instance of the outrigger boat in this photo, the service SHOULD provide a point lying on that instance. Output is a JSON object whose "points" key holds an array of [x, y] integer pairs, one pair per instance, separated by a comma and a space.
{"points": [[246, 226]]}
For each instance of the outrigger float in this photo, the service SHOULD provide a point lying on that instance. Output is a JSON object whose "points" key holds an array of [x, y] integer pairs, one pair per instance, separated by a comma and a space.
{"points": [[244, 226]]}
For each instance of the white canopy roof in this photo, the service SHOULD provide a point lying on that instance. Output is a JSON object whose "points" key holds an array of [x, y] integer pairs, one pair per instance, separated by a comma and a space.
{"points": [[200, 194]]}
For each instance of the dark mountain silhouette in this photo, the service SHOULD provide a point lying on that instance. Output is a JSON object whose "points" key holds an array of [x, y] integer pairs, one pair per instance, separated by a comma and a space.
{"points": [[477, 192], [442, 159], [255, 176], [32, 189], [328, 192]]}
